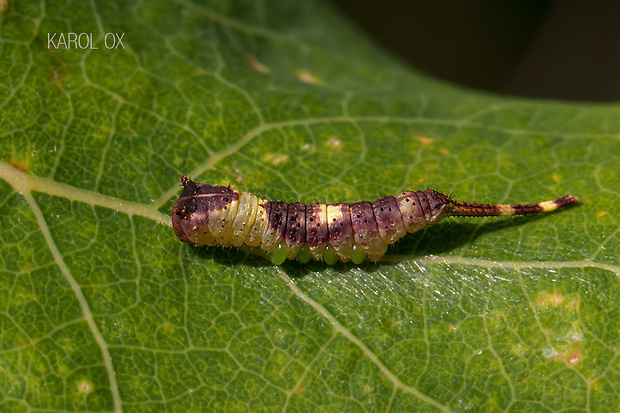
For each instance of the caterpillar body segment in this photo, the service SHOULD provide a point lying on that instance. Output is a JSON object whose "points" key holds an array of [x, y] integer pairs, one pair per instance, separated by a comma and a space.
{"points": [[341, 239], [246, 215], [295, 235], [219, 215]]}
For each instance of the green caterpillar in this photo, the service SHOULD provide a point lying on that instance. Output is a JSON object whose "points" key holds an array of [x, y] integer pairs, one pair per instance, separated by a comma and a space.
{"points": [[220, 215]]}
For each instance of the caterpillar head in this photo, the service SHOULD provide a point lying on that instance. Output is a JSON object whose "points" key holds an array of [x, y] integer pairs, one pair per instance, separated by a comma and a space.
{"points": [[184, 207], [196, 207]]}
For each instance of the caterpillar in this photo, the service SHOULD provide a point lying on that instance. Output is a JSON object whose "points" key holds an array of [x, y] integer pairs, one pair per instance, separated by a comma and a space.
{"points": [[220, 215]]}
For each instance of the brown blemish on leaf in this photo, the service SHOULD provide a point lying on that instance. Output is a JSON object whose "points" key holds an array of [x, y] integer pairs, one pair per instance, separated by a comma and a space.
{"points": [[308, 77], [20, 164], [553, 299], [4, 5], [601, 214], [444, 151], [299, 389], [573, 357], [56, 78], [425, 140], [256, 65], [85, 387], [57, 72]]}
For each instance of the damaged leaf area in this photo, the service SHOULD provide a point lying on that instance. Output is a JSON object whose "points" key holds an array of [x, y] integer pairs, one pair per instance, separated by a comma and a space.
{"points": [[103, 309]]}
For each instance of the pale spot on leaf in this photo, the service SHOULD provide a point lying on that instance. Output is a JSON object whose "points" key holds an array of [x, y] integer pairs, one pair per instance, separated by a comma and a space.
{"points": [[574, 336], [518, 350], [85, 386], [549, 352], [444, 151], [425, 140], [601, 214], [275, 159], [308, 77], [594, 384], [335, 145], [556, 177], [63, 369], [256, 65]]}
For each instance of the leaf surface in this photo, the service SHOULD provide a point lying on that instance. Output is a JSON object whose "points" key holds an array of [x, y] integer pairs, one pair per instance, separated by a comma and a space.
{"points": [[103, 309]]}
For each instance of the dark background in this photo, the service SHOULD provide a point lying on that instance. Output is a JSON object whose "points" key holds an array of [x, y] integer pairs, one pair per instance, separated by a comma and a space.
{"points": [[563, 49]]}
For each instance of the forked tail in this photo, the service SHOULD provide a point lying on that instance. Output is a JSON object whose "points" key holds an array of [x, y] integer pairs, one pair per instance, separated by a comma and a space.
{"points": [[468, 209]]}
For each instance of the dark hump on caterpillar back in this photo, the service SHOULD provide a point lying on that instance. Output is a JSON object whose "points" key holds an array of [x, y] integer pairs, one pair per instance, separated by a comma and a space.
{"points": [[424, 204], [295, 231], [215, 198], [197, 197], [386, 212], [436, 199], [363, 219], [277, 216]]}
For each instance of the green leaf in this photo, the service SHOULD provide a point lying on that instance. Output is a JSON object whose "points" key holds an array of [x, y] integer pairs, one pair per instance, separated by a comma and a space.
{"points": [[102, 308]]}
